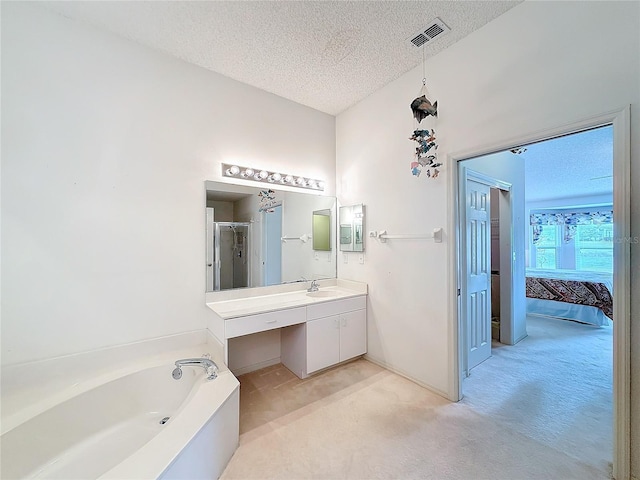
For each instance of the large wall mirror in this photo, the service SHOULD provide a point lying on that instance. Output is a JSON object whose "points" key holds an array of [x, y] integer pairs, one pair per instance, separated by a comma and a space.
{"points": [[256, 238], [351, 228]]}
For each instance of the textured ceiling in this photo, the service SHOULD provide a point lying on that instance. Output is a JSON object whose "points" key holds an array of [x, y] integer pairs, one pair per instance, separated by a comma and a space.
{"points": [[327, 55], [570, 166]]}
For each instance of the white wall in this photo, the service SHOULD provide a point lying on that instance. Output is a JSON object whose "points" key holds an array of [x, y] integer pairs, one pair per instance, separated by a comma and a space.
{"points": [[222, 211], [252, 352], [529, 70], [105, 148], [570, 202]]}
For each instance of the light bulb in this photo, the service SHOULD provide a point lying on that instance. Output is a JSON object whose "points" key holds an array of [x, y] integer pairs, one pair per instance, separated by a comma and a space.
{"points": [[312, 184], [276, 177], [300, 181], [248, 172], [321, 185], [263, 174], [288, 179], [233, 170]]}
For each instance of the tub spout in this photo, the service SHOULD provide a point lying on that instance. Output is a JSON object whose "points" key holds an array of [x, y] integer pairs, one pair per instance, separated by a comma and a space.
{"points": [[209, 366]]}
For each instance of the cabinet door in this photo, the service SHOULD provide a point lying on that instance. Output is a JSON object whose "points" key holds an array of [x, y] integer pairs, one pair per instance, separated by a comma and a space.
{"points": [[353, 334], [323, 343]]}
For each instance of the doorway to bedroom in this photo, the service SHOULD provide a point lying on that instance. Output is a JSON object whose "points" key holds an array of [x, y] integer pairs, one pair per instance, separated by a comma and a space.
{"points": [[551, 377]]}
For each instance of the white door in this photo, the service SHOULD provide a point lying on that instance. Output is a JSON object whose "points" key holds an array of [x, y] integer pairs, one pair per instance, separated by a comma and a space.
{"points": [[272, 259], [476, 297]]}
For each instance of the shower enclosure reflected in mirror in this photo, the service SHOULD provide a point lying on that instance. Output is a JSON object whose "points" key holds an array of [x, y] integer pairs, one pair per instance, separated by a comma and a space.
{"points": [[230, 247], [351, 228], [254, 240]]}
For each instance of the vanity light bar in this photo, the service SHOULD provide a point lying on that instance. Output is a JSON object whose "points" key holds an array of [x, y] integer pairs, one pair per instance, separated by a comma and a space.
{"points": [[265, 176]]}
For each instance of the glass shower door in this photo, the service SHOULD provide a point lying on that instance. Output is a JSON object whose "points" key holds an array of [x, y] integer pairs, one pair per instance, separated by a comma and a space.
{"points": [[231, 246]]}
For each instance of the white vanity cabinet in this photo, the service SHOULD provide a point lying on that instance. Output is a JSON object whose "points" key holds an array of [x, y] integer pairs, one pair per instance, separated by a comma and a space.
{"points": [[334, 332], [248, 324]]}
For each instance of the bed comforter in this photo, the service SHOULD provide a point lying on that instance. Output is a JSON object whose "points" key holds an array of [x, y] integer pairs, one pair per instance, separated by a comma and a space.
{"points": [[580, 288]]}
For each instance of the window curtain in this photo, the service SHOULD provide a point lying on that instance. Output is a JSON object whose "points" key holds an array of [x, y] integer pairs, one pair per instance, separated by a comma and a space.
{"points": [[569, 221]]}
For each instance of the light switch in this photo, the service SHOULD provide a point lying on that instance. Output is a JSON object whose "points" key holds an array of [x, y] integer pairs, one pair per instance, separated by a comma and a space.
{"points": [[361, 258], [345, 258]]}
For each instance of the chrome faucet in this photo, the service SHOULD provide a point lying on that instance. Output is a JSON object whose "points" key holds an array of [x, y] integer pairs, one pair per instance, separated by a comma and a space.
{"points": [[209, 366], [314, 286]]}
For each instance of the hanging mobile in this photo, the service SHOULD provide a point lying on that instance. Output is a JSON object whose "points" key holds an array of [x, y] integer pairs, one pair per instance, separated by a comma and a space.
{"points": [[425, 156]]}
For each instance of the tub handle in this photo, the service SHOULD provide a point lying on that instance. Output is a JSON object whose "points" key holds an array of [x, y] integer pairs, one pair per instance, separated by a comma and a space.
{"points": [[270, 321]]}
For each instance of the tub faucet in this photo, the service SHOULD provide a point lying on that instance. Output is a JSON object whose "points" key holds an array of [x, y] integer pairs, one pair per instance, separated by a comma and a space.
{"points": [[209, 366], [314, 286]]}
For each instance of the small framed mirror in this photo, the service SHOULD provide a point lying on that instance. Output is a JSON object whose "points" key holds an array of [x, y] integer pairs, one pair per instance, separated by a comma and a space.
{"points": [[321, 230], [351, 228]]}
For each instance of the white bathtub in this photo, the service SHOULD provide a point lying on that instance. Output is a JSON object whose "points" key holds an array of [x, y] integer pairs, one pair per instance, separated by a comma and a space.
{"points": [[114, 429]]}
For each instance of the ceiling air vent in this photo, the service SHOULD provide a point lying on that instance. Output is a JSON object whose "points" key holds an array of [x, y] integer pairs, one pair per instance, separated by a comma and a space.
{"points": [[435, 29]]}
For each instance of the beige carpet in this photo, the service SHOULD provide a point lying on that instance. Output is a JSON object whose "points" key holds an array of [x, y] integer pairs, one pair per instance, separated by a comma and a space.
{"points": [[359, 421], [555, 386]]}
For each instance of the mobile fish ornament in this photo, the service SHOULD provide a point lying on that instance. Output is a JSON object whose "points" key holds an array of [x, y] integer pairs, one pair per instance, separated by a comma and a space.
{"points": [[426, 157], [422, 108]]}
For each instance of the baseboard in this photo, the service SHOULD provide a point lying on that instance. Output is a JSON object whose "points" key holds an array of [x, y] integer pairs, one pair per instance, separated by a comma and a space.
{"points": [[521, 338], [386, 366], [256, 366]]}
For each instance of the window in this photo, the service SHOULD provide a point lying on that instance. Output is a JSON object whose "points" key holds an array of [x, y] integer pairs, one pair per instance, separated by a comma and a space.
{"points": [[586, 247], [594, 247], [546, 249]]}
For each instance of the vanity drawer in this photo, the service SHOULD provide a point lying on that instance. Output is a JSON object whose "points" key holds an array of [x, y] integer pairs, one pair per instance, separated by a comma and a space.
{"points": [[336, 307], [236, 327]]}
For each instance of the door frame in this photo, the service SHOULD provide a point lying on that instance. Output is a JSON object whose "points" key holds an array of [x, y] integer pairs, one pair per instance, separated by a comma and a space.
{"points": [[465, 173], [210, 249], [620, 120]]}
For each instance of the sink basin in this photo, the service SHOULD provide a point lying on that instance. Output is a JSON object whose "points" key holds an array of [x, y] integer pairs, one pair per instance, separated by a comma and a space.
{"points": [[322, 293]]}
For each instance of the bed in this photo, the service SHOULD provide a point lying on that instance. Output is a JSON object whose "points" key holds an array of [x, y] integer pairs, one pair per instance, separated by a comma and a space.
{"points": [[585, 297]]}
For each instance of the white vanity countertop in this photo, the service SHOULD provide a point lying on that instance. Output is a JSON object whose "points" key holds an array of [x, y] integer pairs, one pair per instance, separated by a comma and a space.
{"points": [[253, 302]]}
